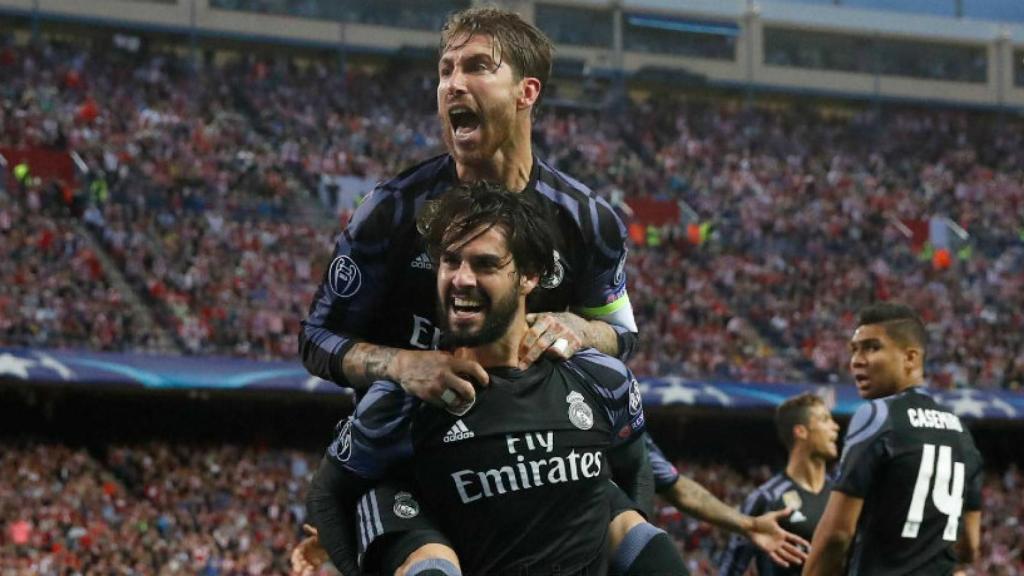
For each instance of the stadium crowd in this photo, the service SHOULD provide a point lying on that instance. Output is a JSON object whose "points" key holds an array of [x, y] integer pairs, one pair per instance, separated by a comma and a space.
{"points": [[203, 185], [165, 508]]}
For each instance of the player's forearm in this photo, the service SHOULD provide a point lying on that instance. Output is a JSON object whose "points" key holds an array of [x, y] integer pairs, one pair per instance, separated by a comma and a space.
{"points": [[599, 335], [695, 500], [366, 363], [828, 554]]}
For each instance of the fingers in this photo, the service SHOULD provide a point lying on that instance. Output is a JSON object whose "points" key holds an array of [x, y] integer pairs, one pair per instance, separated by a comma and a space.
{"points": [[788, 554], [310, 530], [547, 334], [798, 541], [473, 370]]}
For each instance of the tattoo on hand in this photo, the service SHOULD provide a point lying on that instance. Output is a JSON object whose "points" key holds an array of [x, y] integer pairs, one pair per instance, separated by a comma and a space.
{"points": [[375, 365]]}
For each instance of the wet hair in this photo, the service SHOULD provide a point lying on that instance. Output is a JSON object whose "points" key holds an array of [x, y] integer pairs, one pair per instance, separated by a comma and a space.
{"points": [[468, 210], [900, 322], [527, 50], [795, 410]]}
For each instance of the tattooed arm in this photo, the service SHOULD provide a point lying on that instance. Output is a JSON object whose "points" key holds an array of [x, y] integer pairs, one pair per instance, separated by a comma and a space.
{"points": [[425, 374], [764, 531]]}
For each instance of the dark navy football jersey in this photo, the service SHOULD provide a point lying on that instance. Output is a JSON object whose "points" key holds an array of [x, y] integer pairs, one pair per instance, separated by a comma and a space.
{"points": [[917, 469], [380, 286], [775, 494], [665, 473], [518, 483]]}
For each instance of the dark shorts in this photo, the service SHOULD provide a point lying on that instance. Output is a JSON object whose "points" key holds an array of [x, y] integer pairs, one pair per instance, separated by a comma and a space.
{"points": [[619, 502], [391, 525]]}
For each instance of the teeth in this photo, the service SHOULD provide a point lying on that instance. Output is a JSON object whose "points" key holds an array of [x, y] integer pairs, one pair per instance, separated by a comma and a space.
{"points": [[465, 302]]}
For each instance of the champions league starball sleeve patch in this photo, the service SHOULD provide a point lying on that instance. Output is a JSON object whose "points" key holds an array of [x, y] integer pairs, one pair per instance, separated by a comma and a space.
{"points": [[344, 277]]}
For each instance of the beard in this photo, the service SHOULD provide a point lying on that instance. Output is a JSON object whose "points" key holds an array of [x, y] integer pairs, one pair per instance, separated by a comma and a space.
{"points": [[494, 131], [497, 319]]}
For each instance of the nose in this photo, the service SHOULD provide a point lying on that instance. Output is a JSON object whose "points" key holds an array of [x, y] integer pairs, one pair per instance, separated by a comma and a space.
{"points": [[857, 360], [455, 83], [463, 276]]}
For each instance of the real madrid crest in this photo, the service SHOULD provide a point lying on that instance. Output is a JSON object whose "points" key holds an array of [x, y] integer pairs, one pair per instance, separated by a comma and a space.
{"points": [[792, 499], [580, 414], [554, 280], [405, 506]]}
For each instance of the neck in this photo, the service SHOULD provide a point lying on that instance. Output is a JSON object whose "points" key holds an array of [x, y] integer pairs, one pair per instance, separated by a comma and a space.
{"points": [[503, 352], [806, 470], [510, 165]]}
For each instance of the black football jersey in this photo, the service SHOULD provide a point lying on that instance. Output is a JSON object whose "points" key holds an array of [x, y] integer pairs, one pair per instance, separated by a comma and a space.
{"points": [[917, 469], [381, 285], [775, 494], [519, 482]]}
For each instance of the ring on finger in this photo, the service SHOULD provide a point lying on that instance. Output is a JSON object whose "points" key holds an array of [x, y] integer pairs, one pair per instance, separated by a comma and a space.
{"points": [[561, 346], [449, 397]]}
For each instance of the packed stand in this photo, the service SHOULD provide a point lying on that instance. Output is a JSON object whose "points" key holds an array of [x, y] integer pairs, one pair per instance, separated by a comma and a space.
{"points": [[56, 292], [198, 180], [162, 508], [150, 509]]}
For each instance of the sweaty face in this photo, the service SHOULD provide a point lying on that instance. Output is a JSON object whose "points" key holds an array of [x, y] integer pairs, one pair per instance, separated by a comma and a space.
{"points": [[476, 99], [822, 432], [477, 288], [880, 367]]}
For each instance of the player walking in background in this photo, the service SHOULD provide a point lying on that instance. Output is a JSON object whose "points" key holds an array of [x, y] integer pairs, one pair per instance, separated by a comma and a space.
{"points": [[805, 426], [907, 498]]}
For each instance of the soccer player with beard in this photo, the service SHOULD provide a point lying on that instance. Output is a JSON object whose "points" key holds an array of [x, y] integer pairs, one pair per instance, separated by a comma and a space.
{"points": [[518, 481], [907, 498], [805, 426], [373, 315]]}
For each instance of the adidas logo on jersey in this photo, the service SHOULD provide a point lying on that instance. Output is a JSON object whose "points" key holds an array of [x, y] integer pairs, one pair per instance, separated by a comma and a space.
{"points": [[457, 432], [422, 262]]}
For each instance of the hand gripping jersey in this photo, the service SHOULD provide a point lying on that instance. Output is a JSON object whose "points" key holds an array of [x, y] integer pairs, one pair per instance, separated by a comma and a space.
{"points": [[918, 471], [518, 483], [380, 286], [775, 494]]}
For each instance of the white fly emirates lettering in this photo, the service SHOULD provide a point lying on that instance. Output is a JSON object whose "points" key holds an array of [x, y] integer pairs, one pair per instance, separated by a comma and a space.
{"points": [[534, 466]]}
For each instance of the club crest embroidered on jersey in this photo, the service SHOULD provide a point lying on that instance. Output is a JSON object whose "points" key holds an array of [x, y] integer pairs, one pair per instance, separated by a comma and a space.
{"points": [[797, 517], [574, 397], [457, 432], [405, 506], [792, 499], [344, 277], [581, 415], [554, 279], [422, 262]]}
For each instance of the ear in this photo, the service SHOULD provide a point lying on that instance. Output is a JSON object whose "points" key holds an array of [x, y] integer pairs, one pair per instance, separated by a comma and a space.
{"points": [[800, 432], [528, 283], [529, 92], [912, 360]]}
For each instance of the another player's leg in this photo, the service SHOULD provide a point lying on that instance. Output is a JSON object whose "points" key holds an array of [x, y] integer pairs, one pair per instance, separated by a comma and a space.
{"points": [[636, 547]]}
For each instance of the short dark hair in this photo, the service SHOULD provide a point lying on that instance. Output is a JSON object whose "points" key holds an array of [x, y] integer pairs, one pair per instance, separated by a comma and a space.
{"points": [[795, 410], [468, 208], [527, 49], [900, 322]]}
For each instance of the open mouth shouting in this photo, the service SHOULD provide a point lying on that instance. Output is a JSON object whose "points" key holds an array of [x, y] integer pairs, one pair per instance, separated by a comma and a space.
{"points": [[465, 124]]}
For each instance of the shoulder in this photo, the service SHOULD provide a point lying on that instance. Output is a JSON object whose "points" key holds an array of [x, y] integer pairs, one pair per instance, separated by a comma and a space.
{"points": [[396, 201], [419, 176], [869, 421], [603, 370], [774, 488], [579, 201]]}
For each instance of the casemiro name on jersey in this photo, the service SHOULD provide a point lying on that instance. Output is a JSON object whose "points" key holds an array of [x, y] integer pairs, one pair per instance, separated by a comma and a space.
{"points": [[532, 468]]}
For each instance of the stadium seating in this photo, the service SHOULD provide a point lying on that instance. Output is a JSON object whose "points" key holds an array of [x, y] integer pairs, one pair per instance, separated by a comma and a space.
{"points": [[204, 189]]}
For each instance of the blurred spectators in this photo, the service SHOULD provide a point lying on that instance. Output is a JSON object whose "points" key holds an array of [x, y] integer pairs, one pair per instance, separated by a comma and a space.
{"points": [[164, 508], [206, 188]]}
